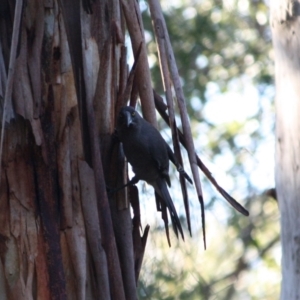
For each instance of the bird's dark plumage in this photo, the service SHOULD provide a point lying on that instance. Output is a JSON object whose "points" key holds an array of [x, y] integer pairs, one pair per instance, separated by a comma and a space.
{"points": [[149, 154]]}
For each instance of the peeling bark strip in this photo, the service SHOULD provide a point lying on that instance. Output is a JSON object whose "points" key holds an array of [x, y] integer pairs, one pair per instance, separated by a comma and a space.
{"points": [[160, 40], [109, 243], [71, 10], [136, 31], [91, 217], [11, 71], [156, 14]]}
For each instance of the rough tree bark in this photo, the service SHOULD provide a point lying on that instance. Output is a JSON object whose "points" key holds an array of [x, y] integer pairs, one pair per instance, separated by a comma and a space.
{"points": [[285, 25], [60, 236]]}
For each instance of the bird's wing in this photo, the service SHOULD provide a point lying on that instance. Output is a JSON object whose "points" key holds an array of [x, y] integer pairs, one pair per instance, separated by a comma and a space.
{"points": [[158, 151]]}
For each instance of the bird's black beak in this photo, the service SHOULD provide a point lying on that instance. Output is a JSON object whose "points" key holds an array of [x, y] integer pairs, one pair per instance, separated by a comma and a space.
{"points": [[128, 118]]}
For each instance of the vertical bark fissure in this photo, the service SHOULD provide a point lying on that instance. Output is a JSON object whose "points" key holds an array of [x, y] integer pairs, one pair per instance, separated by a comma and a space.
{"points": [[48, 200]]}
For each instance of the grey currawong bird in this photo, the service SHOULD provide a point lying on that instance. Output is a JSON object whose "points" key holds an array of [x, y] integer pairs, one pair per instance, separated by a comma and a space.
{"points": [[149, 154]]}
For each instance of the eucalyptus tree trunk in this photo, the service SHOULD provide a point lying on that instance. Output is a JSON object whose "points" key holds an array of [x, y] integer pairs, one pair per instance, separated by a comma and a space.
{"points": [[60, 81], [285, 25]]}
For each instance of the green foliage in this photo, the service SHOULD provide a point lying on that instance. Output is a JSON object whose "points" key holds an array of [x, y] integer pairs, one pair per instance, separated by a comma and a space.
{"points": [[240, 262], [215, 41]]}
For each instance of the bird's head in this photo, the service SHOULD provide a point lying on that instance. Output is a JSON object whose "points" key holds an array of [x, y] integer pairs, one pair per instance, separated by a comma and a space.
{"points": [[128, 117]]}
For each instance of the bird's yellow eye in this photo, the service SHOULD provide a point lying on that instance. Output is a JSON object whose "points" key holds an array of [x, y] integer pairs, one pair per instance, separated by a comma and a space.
{"points": [[133, 114]]}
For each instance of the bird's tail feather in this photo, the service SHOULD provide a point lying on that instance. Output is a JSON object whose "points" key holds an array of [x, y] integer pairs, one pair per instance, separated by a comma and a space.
{"points": [[161, 188]]}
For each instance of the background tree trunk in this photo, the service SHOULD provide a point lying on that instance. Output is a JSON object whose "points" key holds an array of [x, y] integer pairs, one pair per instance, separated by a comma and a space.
{"points": [[285, 25]]}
